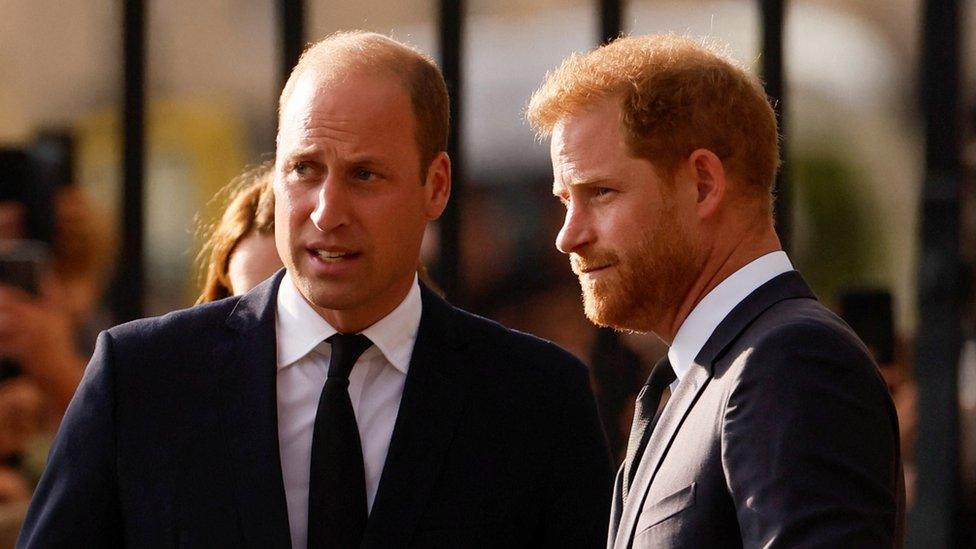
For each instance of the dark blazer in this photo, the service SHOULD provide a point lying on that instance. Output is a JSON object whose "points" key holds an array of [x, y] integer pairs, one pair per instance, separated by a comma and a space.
{"points": [[782, 434], [171, 440]]}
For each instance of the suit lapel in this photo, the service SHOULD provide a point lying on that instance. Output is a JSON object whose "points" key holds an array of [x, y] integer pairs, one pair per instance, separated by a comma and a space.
{"points": [[788, 285], [616, 507], [433, 398], [668, 424], [249, 406]]}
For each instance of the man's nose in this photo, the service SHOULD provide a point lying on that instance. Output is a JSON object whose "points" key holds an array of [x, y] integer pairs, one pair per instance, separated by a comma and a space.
{"points": [[331, 205], [575, 232]]}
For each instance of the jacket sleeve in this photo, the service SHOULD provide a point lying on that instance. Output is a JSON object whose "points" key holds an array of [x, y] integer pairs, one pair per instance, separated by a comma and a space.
{"points": [[581, 478], [76, 503], [810, 444]]}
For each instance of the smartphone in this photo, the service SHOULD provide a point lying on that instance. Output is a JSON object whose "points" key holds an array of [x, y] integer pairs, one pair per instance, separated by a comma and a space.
{"points": [[22, 263], [23, 180]]}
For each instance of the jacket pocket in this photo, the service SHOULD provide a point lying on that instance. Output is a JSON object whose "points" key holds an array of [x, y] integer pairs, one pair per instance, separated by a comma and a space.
{"points": [[666, 508]]}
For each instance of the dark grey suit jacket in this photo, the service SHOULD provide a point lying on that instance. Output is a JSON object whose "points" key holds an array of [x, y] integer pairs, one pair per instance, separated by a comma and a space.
{"points": [[171, 440], [782, 434]]}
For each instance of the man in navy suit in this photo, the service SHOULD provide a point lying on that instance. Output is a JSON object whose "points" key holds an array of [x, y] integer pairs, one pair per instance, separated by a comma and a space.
{"points": [[779, 431], [205, 427]]}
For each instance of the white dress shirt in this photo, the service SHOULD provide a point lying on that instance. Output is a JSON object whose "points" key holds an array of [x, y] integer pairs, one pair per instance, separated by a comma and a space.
{"points": [[375, 387], [716, 305]]}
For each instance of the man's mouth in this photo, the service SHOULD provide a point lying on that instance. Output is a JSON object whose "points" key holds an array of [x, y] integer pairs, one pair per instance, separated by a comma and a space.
{"points": [[331, 256], [581, 266], [593, 269]]}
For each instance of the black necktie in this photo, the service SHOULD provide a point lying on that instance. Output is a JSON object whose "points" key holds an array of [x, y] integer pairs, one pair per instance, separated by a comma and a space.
{"points": [[645, 410], [337, 481]]}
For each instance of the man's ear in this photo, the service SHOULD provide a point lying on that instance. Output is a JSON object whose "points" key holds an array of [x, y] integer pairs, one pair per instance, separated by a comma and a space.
{"points": [[708, 174], [437, 185]]}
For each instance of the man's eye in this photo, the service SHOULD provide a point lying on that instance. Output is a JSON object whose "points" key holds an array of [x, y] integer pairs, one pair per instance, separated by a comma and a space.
{"points": [[302, 168], [363, 174], [602, 191]]}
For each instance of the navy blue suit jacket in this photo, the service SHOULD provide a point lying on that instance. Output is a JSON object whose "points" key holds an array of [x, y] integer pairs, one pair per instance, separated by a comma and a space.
{"points": [[171, 439], [782, 434]]}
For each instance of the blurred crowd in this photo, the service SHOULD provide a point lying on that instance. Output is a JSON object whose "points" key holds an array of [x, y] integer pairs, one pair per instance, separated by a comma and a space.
{"points": [[55, 260]]}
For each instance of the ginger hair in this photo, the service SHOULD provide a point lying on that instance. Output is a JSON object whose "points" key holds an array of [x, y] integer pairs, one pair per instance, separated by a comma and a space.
{"points": [[250, 211], [676, 95]]}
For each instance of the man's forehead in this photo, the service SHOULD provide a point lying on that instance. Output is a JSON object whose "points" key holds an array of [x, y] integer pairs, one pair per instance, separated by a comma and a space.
{"points": [[597, 121], [357, 99], [578, 141], [310, 86], [589, 147]]}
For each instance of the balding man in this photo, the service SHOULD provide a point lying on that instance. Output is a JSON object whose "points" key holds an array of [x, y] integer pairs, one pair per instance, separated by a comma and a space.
{"points": [[340, 403], [779, 431]]}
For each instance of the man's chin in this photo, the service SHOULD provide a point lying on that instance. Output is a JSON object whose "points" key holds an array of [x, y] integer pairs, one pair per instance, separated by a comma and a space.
{"points": [[603, 312], [619, 314], [325, 296]]}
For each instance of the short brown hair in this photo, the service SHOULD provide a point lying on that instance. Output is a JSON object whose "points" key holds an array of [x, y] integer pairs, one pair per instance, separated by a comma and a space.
{"points": [[250, 210], [349, 50], [677, 95]]}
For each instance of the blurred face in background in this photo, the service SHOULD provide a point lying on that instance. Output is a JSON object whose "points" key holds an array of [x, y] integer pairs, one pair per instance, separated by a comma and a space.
{"points": [[626, 231], [351, 203], [12, 220], [254, 259]]}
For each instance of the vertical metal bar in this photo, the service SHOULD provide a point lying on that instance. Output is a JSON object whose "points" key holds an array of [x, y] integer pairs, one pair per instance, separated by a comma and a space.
{"points": [[614, 369], [772, 14], [291, 18], [933, 521], [610, 17], [127, 297], [448, 272]]}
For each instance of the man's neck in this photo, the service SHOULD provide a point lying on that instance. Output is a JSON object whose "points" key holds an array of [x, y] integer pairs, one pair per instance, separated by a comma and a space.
{"points": [[721, 263], [355, 320]]}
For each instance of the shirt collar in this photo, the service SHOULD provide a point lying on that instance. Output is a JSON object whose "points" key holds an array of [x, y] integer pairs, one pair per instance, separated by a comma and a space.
{"points": [[717, 304], [300, 329], [396, 333]]}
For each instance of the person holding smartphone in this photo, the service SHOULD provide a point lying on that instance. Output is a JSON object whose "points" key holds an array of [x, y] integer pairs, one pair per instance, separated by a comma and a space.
{"points": [[52, 257]]}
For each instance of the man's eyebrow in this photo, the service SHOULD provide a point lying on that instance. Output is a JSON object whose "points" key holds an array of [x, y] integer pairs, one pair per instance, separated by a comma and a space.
{"points": [[558, 187], [311, 152]]}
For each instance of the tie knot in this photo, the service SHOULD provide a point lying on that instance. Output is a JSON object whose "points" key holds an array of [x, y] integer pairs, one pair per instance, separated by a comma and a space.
{"points": [[662, 375], [346, 350]]}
